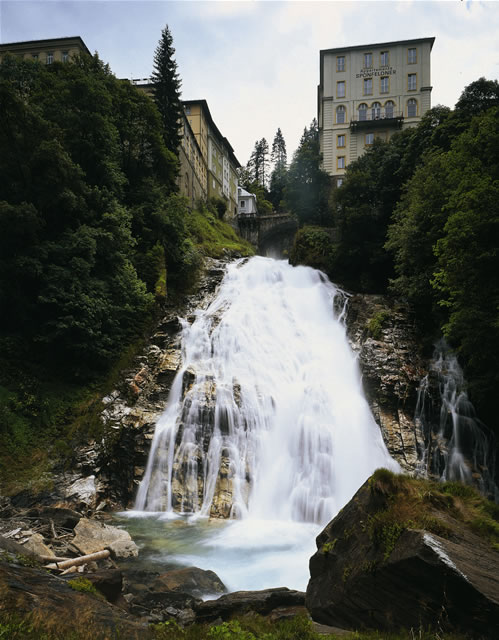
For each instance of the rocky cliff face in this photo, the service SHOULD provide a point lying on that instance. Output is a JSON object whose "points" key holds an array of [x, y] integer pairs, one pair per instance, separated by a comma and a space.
{"points": [[391, 361]]}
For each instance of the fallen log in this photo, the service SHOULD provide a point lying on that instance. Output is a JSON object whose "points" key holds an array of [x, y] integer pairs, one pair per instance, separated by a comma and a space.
{"points": [[76, 562]]}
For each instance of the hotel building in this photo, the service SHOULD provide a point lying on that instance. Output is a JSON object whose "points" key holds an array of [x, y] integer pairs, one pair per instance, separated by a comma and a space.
{"points": [[367, 92]]}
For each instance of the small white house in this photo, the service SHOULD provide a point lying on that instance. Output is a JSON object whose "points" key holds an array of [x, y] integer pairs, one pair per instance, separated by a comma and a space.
{"points": [[246, 202]]}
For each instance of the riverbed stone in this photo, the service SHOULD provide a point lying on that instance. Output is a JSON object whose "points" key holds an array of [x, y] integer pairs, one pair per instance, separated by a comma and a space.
{"points": [[92, 536], [192, 580]]}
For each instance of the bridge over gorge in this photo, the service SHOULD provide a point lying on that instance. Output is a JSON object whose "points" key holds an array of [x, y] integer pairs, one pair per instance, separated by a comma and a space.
{"points": [[271, 233]]}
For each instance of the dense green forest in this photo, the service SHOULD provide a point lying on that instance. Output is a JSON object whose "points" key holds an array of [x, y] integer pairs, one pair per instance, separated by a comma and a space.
{"points": [[418, 217], [93, 235]]}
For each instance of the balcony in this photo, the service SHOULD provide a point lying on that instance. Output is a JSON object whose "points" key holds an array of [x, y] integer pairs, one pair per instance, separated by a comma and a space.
{"points": [[381, 120]]}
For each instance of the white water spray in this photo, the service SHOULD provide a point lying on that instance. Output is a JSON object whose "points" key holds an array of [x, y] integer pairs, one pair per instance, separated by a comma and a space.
{"points": [[266, 416]]}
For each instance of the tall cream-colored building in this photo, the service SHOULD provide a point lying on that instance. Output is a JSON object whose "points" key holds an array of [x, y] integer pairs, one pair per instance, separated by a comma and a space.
{"points": [[370, 91]]}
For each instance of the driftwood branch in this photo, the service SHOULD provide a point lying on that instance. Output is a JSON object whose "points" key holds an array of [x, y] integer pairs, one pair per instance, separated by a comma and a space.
{"points": [[76, 562]]}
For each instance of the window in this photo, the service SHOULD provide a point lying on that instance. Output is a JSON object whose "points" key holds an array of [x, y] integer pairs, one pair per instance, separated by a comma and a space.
{"points": [[368, 86], [376, 111], [384, 58], [412, 56], [339, 182], [34, 56], [65, 56], [243, 203], [340, 114], [412, 108], [340, 63], [411, 82], [340, 140], [188, 110], [341, 162], [368, 60], [50, 57], [384, 84], [389, 109], [369, 139], [363, 111], [340, 89]]}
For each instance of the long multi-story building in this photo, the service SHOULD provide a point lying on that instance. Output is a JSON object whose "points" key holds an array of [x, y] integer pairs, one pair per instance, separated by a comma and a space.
{"points": [[46, 51], [367, 92], [219, 155]]}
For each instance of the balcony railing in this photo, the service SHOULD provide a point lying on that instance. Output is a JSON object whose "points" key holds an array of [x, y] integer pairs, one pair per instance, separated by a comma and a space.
{"points": [[382, 118]]}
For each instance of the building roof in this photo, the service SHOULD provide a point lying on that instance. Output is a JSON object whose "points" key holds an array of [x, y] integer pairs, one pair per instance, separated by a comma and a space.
{"points": [[242, 193], [377, 45], [204, 106], [33, 44]]}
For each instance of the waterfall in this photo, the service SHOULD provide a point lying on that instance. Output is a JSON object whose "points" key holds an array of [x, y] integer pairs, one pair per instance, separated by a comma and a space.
{"points": [[458, 446], [266, 418]]}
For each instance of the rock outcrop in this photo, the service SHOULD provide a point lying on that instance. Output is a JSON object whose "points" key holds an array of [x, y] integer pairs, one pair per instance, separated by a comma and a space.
{"points": [[400, 555], [391, 360]]}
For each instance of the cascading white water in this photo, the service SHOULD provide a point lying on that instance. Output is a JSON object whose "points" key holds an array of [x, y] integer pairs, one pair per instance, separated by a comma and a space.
{"points": [[457, 444], [267, 409]]}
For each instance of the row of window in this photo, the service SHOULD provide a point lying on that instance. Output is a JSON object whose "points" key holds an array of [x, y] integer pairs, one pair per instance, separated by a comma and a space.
{"points": [[49, 57], [376, 111], [384, 85], [368, 140], [384, 59]]}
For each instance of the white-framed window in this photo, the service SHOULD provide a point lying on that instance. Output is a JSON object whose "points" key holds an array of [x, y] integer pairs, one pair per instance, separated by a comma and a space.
{"points": [[376, 110], [368, 60], [340, 162], [412, 82], [50, 57], [412, 55], [412, 108], [339, 182], [384, 84], [363, 111], [243, 203], [340, 89], [368, 86], [384, 58], [341, 113], [369, 139], [340, 140], [340, 63], [65, 56], [389, 105]]}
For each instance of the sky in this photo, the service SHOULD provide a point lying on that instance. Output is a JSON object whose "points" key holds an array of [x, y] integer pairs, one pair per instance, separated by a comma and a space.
{"points": [[257, 63]]}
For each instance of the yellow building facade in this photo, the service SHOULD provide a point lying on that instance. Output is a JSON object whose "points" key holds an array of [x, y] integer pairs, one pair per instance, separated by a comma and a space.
{"points": [[367, 92], [46, 51]]}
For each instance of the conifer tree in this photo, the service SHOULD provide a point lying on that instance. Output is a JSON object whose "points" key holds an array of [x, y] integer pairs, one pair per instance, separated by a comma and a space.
{"points": [[166, 82], [278, 176], [258, 162]]}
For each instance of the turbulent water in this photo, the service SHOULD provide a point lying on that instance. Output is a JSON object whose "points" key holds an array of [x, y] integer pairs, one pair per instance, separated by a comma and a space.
{"points": [[266, 418]]}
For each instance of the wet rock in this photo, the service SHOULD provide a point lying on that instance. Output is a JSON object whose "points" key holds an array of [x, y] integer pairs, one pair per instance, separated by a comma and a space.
{"points": [[196, 582], [241, 602], [391, 360], [92, 536], [402, 577], [83, 491]]}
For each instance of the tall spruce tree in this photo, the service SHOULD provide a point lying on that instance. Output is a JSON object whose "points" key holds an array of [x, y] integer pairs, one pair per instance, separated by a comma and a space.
{"points": [[166, 82], [279, 159], [258, 164]]}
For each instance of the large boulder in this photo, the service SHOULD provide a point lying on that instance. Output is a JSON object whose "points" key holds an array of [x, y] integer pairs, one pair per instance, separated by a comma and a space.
{"points": [[402, 554], [192, 580]]}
